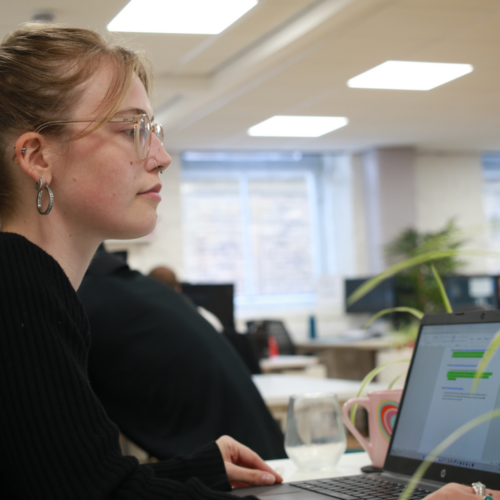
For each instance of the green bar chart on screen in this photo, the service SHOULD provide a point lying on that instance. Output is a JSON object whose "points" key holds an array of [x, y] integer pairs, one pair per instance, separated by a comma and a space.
{"points": [[467, 354], [464, 374]]}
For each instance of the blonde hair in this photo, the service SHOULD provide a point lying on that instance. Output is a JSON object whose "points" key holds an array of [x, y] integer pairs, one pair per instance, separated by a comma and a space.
{"points": [[42, 69]]}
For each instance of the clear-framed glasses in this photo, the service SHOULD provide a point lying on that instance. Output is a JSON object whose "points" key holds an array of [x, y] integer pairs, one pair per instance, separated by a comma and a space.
{"points": [[142, 131]]}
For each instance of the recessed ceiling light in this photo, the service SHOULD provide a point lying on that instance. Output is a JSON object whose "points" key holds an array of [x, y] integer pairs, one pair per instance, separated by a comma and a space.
{"points": [[297, 126], [409, 75], [180, 16]]}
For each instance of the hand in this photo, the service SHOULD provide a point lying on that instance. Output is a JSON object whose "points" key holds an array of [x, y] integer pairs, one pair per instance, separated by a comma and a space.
{"points": [[453, 491], [243, 466]]}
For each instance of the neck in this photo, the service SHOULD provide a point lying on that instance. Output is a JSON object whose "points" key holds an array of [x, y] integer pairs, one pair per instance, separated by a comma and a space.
{"points": [[72, 251]]}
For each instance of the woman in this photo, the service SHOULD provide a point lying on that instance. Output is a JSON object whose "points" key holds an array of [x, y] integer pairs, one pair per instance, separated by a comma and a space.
{"points": [[76, 124]]}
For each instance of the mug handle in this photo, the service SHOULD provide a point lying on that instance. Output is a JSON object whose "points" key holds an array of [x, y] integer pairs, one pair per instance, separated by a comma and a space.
{"points": [[365, 402]]}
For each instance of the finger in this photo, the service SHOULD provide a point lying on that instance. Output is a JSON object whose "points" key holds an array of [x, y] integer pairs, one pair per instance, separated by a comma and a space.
{"points": [[462, 488], [453, 491], [252, 477], [494, 493], [250, 459]]}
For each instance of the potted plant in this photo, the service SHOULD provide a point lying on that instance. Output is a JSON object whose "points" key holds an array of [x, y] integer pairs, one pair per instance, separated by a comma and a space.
{"points": [[429, 257]]}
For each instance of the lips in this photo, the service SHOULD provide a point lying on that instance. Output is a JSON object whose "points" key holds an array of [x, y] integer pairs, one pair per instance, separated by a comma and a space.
{"points": [[155, 189], [153, 192]]}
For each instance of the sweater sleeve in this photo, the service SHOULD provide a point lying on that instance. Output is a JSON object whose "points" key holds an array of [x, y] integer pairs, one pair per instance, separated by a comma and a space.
{"points": [[206, 464], [56, 439]]}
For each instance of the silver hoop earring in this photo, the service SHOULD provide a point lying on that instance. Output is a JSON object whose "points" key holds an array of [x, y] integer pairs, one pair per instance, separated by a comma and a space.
{"points": [[156, 166], [39, 188]]}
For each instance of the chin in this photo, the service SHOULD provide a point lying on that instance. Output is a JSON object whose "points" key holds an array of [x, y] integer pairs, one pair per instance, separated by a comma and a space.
{"points": [[134, 231]]}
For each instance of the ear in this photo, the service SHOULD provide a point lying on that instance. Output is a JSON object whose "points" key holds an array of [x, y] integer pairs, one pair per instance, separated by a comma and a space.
{"points": [[32, 153]]}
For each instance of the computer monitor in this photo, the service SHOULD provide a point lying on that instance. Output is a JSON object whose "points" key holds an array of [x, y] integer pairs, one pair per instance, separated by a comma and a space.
{"points": [[469, 293], [383, 296], [216, 298]]}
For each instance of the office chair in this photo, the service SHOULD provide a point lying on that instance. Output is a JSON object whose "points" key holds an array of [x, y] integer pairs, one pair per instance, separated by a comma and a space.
{"points": [[259, 332]]}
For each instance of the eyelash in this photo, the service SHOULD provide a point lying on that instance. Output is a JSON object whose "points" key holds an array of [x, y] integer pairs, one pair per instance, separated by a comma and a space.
{"points": [[130, 132]]}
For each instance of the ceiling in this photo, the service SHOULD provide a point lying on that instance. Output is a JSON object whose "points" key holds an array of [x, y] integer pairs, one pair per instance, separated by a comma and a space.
{"points": [[295, 56]]}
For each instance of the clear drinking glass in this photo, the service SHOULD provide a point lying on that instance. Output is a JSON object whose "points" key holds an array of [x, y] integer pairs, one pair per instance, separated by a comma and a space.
{"points": [[315, 437]]}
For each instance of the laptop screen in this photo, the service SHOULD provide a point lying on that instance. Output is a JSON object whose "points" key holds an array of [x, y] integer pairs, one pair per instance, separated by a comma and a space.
{"points": [[438, 397]]}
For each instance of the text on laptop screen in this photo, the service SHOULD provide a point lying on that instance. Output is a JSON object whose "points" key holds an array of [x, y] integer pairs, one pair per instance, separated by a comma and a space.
{"points": [[439, 397]]}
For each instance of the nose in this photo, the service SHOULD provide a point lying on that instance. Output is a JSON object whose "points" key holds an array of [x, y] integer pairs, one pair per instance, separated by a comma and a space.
{"points": [[157, 151]]}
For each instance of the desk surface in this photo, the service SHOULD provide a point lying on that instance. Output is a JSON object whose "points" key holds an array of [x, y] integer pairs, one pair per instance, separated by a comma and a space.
{"points": [[349, 464], [370, 344], [284, 362], [276, 389]]}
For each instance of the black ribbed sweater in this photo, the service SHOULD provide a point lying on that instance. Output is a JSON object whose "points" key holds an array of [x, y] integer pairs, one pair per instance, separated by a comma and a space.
{"points": [[56, 441]]}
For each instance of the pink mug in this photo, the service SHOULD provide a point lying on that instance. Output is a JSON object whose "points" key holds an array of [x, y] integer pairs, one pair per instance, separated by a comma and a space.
{"points": [[382, 408]]}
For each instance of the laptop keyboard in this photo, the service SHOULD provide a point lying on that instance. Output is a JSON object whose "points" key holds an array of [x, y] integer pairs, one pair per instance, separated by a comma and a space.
{"points": [[364, 487]]}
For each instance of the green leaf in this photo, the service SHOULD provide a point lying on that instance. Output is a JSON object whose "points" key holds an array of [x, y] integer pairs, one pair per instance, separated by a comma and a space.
{"points": [[441, 447], [410, 310], [369, 285], [391, 385], [488, 354], [369, 378], [442, 291]]}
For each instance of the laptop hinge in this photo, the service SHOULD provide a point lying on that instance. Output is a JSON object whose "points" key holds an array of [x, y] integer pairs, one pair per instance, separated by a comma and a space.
{"points": [[427, 484]]}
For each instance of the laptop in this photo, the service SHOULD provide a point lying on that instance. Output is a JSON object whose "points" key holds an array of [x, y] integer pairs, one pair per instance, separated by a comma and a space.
{"points": [[436, 400]]}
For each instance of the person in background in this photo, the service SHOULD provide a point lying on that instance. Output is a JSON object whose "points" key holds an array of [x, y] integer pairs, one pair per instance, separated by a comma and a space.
{"points": [[161, 371], [167, 276]]}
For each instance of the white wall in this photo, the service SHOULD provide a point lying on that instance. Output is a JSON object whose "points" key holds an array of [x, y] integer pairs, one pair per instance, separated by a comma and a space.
{"points": [[451, 185], [360, 233], [388, 177]]}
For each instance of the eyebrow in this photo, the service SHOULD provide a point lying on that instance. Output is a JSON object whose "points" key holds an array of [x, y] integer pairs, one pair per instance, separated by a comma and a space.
{"points": [[134, 111]]}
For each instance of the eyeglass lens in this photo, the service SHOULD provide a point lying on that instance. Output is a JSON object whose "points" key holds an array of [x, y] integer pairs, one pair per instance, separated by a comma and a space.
{"points": [[144, 136]]}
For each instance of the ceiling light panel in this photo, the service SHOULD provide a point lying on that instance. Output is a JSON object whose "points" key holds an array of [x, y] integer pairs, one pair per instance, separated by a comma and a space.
{"points": [[409, 75], [180, 16], [297, 126]]}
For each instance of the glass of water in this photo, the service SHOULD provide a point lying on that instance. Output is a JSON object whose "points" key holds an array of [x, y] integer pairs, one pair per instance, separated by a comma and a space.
{"points": [[315, 437]]}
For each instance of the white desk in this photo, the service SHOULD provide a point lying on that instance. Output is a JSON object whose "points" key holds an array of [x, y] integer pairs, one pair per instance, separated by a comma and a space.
{"points": [[287, 362], [349, 464], [276, 390], [369, 344]]}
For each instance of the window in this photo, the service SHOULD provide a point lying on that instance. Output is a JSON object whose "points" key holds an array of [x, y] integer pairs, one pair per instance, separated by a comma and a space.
{"points": [[256, 220]]}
